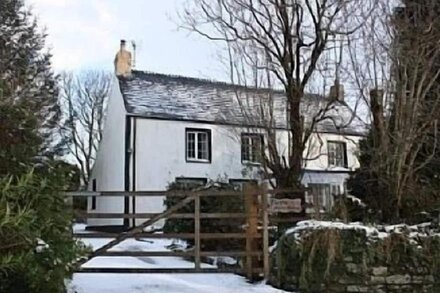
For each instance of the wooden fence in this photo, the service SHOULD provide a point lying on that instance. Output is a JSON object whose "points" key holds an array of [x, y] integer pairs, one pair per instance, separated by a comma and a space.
{"points": [[255, 220]]}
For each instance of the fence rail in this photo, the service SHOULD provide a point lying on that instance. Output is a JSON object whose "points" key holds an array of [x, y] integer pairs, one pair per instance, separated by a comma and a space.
{"points": [[202, 193], [165, 270], [168, 235], [255, 222], [150, 215]]}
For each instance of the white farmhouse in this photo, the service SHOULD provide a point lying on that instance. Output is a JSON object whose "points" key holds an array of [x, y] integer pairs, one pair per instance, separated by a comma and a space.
{"points": [[161, 128]]}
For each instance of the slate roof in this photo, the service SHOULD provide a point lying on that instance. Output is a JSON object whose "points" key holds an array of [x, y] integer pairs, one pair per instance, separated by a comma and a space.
{"points": [[160, 96]]}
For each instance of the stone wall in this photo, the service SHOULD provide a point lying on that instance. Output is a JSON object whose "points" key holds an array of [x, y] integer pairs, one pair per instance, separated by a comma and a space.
{"points": [[336, 257]]}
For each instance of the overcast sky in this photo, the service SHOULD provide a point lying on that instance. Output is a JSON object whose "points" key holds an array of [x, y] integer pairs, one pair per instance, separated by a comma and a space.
{"points": [[86, 34]]}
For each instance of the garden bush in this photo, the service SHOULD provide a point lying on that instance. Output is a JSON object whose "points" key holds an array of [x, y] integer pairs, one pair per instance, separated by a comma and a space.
{"points": [[37, 251], [209, 204]]}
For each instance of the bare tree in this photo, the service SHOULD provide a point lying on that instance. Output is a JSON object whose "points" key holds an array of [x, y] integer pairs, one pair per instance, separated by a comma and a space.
{"points": [[83, 100], [286, 45], [398, 58]]}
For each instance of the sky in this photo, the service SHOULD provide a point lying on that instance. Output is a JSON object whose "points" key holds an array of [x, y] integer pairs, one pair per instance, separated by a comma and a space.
{"points": [[85, 34]]}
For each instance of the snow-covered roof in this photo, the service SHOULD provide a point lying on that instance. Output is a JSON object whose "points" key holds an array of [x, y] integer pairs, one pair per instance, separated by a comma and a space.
{"points": [[169, 97]]}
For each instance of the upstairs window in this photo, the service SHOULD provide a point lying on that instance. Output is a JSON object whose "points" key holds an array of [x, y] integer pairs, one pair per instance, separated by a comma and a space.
{"points": [[198, 145], [337, 154], [251, 148]]}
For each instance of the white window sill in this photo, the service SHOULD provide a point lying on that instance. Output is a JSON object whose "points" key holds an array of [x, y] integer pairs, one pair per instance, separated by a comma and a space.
{"points": [[197, 161], [250, 163]]}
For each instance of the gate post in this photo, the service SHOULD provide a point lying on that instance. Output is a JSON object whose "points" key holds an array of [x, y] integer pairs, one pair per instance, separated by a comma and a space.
{"points": [[197, 231], [251, 205]]}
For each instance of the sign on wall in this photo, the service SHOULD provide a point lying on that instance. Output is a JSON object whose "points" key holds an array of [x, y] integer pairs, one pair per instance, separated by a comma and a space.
{"points": [[285, 205]]}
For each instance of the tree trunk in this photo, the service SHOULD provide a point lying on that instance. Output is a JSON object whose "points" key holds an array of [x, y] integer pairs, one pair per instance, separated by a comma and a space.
{"points": [[296, 131]]}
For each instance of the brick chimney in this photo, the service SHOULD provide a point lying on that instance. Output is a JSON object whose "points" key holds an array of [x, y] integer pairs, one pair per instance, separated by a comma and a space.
{"points": [[123, 61]]}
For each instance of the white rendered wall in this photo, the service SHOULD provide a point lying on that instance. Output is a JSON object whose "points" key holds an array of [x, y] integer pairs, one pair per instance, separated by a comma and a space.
{"points": [[160, 156], [109, 166]]}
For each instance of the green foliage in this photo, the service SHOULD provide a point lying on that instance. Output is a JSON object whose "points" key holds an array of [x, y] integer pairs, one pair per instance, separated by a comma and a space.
{"points": [[372, 186], [20, 142], [29, 111], [33, 212], [366, 184], [211, 204]]}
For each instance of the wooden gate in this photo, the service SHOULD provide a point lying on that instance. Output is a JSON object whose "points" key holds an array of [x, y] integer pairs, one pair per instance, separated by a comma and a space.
{"points": [[255, 220]]}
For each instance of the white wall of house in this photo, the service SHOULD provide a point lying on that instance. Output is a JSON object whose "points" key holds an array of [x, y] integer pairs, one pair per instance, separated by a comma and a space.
{"points": [[160, 154], [108, 170], [161, 158]]}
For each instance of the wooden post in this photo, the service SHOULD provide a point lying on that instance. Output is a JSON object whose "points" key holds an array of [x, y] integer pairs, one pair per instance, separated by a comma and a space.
{"points": [[251, 205], [265, 234], [197, 232], [133, 209]]}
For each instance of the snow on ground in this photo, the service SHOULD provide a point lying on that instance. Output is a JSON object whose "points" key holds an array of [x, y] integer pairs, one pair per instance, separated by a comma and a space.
{"points": [[155, 283], [163, 283]]}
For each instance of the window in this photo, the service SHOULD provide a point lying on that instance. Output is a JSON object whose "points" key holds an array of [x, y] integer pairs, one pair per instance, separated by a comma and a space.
{"points": [[321, 194], [251, 148], [191, 182], [337, 154], [239, 184], [198, 145], [94, 197]]}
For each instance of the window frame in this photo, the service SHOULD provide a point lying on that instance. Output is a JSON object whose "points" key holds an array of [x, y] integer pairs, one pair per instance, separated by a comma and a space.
{"points": [[344, 154], [252, 136], [240, 183], [326, 198], [322, 197], [202, 181], [196, 131]]}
